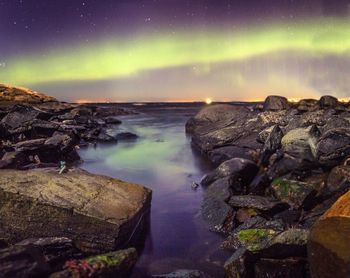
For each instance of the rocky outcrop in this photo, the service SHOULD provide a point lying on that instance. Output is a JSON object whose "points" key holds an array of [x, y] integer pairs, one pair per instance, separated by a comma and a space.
{"points": [[20, 95], [98, 213], [296, 163], [328, 247]]}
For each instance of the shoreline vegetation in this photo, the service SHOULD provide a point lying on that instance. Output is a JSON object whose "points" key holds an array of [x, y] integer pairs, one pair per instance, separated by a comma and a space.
{"points": [[278, 195]]}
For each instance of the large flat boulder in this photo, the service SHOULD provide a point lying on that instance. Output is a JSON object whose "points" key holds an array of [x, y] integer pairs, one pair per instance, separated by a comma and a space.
{"points": [[98, 213]]}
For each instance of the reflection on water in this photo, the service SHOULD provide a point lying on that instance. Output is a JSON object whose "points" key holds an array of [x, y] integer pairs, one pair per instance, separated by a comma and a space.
{"points": [[162, 159]]}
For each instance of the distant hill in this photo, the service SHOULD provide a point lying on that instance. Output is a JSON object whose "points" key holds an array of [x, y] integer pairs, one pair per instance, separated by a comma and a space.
{"points": [[23, 95]]}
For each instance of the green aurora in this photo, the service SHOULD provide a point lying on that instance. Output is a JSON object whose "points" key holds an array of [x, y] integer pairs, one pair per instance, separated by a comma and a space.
{"points": [[117, 58]]}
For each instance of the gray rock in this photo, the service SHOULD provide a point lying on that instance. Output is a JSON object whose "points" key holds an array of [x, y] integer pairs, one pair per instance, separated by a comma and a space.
{"points": [[275, 103], [328, 102]]}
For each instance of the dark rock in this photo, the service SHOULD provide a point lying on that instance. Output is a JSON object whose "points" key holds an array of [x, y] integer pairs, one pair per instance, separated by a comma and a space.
{"points": [[298, 194], [215, 211], [21, 114], [13, 159], [56, 250], [328, 102], [289, 217], [239, 171], [259, 184], [290, 243], [184, 273], [275, 103], [333, 146], [240, 264], [126, 136], [112, 121], [272, 144], [263, 204], [306, 105], [220, 155], [286, 268], [23, 261], [117, 264], [338, 181]]}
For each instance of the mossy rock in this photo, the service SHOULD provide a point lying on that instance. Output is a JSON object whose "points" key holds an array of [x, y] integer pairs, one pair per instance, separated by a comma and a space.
{"points": [[295, 193], [254, 239]]}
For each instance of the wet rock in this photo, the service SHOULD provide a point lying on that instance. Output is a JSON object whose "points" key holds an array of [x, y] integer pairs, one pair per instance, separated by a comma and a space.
{"points": [[256, 222], [184, 273], [215, 211], [333, 146], [23, 261], [262, 204], [328, 247], [328, 102], [239, 171], [286, 268], [56, 250], [220, 155], [98, 213], [240, 264], [126, 136], [112, 121], [252, 239], [114, 264], [275, 103]]}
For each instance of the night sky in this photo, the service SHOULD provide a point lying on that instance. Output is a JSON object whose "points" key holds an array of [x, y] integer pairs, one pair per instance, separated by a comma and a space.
{"points": [[175, 50]]}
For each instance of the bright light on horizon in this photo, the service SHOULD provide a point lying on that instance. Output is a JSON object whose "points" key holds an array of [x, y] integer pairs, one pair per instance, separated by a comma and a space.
{"points": [[208, 101]]}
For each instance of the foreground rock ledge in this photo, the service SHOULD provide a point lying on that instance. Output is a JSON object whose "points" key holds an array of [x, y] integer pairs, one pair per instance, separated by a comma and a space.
{"points": [[99, 213]]}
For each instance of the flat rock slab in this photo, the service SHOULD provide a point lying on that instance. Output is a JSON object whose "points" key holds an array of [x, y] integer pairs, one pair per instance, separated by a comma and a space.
{"points": [[98, 212]]}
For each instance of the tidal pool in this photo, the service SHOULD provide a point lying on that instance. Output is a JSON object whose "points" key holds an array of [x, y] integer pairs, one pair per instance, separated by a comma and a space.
{"points": [[162, 159]]}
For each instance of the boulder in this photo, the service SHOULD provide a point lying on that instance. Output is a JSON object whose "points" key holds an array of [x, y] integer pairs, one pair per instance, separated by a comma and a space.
{"points": [[259, 203], [20, 114], [272, 144], [333, 146], [328, 102], [126, 136], [306, 105], [328, 246], [275, 103], [23, 261], [301, 143], [98, 213], [240, 264], [214, 209], [117, 264], [239, 171], [112, 121], [13, 159], [298, 194], [286, 268], [222, 154]]}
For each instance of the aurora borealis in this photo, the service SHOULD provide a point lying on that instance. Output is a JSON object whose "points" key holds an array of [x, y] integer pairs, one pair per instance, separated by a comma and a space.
{"points": [[295, 55]]}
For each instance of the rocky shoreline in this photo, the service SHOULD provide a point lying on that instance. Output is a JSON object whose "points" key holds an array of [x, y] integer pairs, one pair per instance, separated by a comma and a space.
{"points": [[281, 166], [63, 222]]}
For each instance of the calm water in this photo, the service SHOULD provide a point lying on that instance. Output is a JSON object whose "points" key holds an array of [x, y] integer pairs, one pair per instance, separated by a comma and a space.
{"points": [[162, 159]]}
